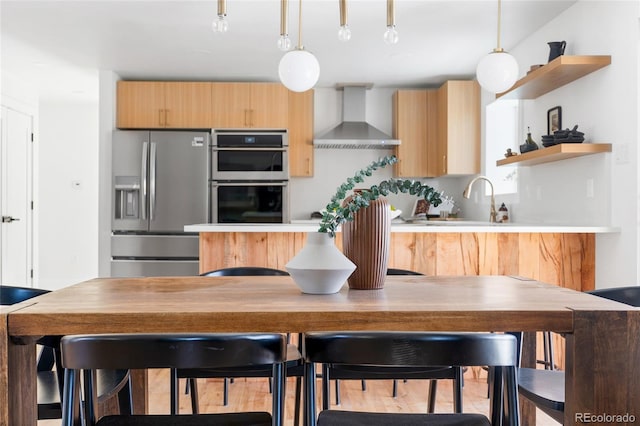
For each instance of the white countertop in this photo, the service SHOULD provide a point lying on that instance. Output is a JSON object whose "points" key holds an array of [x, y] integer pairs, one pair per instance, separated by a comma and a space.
{"points": [[433, 226]]}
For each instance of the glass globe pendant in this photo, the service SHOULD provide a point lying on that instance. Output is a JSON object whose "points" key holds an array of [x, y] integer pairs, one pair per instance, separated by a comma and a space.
{"points": [[299, 70], [498, 71]]}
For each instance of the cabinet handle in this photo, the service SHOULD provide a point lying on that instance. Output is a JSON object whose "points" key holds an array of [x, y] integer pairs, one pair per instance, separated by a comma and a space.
{"points": [[251, 117], [166, 117], [308, 166], [444, 164], [160, 117]]}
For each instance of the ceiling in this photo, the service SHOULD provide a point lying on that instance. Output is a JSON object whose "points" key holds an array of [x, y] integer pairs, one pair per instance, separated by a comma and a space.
{"points": [[62, 44]]}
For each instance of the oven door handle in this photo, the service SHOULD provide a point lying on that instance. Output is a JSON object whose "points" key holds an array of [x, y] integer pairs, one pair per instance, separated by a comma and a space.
{"points": [[252, 183], [276, 149]]}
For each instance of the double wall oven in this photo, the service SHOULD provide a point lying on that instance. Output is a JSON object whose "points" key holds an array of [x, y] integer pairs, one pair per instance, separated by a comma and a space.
{"points": [[249, 180]]}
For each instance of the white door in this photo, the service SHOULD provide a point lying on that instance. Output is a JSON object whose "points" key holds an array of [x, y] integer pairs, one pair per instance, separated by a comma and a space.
{"points": [[15, 198]]}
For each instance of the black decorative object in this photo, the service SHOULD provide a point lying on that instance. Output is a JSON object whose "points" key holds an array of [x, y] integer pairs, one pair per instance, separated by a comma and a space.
{"points": [[554, 120], [529, 144], [556, 48]]}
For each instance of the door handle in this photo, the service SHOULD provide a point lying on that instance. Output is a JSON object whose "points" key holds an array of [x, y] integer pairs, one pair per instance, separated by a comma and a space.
{"points": [[9, 219]]}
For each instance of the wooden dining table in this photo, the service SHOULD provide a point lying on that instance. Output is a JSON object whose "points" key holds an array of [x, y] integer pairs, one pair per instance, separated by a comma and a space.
{"points": [[602, 347]]}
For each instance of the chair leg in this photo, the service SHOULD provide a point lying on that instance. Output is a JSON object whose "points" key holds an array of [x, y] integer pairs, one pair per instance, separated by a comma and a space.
{"points": [[225, 392], [296, 415], [363, 385], [278, 394], [195, 405], [174, 392], [125, 398], [457, 390], [337, 392], [326, 387], [270, 385], [433, 389], [394, 392], [310, 393]]}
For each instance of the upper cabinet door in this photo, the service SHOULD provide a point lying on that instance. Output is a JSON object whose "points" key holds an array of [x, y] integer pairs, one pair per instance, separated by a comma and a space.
{"points": [[140, 104], [414, 123], [301, 133], [459, 128], [231, 104], [188, 105], [269, 106]]}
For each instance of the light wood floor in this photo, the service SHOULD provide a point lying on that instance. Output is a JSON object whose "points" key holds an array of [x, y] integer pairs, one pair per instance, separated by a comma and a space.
{"points": [[253, 395]]}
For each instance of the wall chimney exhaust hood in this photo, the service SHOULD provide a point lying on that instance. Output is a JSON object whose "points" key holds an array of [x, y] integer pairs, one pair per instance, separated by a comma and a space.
{"points": [[354, 132]]}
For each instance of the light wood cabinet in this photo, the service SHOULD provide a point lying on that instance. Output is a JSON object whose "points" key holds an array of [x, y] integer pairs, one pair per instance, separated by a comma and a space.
{"points": [[458, 144], [301, 134], [415, 125], [158, 104], [250, 105]]}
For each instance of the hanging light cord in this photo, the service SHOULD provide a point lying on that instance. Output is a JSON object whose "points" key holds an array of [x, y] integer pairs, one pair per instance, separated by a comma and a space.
{"points": [[300, 26], [284, 11], [498, 48], [343, 13], [391, 13]]}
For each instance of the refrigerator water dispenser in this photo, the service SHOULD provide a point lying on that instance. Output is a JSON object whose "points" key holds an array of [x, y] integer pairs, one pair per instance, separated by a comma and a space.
{"points": [[127, 197]]}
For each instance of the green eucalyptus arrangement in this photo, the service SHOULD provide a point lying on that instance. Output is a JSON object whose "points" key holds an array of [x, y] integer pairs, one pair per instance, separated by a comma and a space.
{"points": [[337, 212]]}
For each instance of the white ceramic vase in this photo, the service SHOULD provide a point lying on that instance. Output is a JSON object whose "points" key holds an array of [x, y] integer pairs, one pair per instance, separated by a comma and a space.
{"points": [[320, 267]]}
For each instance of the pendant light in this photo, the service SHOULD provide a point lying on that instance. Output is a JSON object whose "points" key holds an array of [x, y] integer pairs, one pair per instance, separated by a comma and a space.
{"points": [[391, 34], [299, 70], [221, 25], [344, 33], [284, 42], [497, 71]]}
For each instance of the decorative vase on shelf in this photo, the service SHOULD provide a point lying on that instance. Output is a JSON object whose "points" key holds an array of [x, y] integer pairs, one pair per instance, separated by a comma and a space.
{"points": [[556, 48], [320, 267], [365, 241]]}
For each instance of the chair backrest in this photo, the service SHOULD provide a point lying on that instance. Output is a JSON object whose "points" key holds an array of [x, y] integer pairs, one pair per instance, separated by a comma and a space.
{"points": [[419, 349], [123, 351], [10, 295], [629, 295], [411, 348], [244, 271], [396, 271]]}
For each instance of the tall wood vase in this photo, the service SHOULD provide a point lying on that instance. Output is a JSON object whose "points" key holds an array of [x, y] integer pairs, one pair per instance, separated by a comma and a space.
{"points": [[365, 241]]}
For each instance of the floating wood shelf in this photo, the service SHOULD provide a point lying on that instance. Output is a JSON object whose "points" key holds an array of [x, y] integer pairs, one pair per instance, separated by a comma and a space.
{"points": [[557, 73], [554, 153]]}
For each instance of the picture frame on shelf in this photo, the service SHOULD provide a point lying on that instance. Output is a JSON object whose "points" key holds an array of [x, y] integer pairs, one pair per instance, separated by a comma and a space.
{"points": [[420, 208], [554, 119]]}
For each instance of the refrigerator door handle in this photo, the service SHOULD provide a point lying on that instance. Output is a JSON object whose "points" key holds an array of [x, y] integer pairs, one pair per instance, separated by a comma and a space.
{"points": [[152, 181], [143, 172]]}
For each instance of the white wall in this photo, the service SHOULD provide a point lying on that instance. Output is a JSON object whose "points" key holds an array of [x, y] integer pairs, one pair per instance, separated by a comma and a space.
{"points": [[67, 199]]}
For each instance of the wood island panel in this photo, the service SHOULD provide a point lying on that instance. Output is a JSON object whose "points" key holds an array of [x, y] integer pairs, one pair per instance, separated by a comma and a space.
{"points": [[566, 260]]}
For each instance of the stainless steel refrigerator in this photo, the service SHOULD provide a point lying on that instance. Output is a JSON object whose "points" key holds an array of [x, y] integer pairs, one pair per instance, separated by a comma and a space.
{"points": [[159, 186]]}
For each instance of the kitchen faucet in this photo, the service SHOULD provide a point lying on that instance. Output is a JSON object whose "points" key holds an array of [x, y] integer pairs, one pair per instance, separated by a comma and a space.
{"points": [[467, 194]]}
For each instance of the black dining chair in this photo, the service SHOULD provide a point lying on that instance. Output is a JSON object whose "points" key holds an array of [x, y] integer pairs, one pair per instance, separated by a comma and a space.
{"points": [[83, 354], [50, 374], [413, 349], [294, 367], [351, 372]]}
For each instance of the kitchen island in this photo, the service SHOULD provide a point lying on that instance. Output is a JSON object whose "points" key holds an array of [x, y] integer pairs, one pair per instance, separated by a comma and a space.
{"points": [[557, 254]]}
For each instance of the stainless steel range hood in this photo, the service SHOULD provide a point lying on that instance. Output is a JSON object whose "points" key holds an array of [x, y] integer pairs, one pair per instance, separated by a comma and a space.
{"points": [[354, 131]]}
